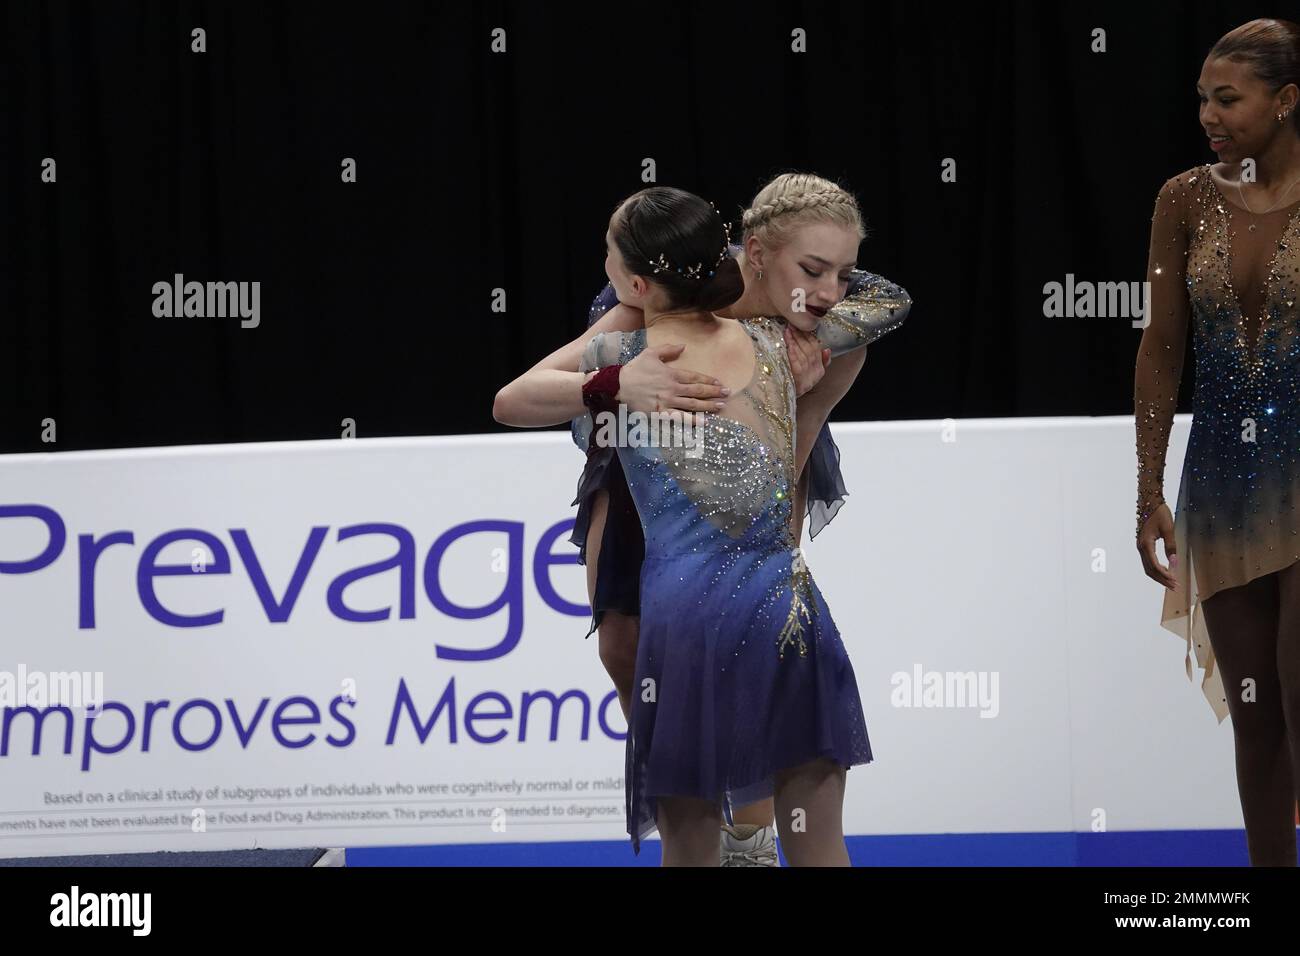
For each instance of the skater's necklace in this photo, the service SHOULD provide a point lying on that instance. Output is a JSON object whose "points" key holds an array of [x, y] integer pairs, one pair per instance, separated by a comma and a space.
{"points": [[1242, 194]]}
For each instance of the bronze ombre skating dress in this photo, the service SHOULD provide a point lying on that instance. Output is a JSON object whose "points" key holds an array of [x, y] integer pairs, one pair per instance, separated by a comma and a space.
{"points": [[1238, 275]]}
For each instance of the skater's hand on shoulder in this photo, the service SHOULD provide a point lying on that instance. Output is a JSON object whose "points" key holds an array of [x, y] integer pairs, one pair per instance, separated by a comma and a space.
{"points": [[1159, 526], [646, 384], [808, 360]]}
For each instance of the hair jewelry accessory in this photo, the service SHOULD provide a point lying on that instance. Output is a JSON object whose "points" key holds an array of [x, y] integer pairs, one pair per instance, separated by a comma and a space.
{"points": [[661, 264]]}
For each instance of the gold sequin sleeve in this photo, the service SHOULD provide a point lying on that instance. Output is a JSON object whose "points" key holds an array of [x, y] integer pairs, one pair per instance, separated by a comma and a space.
{"points": [[873, 307], [1159, 368]]}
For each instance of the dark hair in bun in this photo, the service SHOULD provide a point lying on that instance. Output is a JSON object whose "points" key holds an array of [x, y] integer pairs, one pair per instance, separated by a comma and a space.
{"points": [[678, 240]]}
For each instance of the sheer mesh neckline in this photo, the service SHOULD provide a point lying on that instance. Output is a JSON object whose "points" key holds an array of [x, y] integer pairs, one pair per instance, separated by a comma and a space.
{"points": [[1209, 171], [1250, 322]]}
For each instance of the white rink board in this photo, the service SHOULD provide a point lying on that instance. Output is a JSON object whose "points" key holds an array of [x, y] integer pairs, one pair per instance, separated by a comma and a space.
{"points": [[975, 555]]}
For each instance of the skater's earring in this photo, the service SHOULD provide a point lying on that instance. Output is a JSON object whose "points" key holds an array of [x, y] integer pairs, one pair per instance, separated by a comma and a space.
{"points": [[759, 274]]}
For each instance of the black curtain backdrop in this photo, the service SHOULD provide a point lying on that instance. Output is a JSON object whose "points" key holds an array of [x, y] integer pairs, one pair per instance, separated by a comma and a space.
{"points": [[480, 170]]}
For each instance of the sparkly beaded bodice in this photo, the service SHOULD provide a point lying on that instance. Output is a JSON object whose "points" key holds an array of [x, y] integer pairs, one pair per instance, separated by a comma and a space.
{"points": [[1235, 276], [1242, 275], [738, 467]]}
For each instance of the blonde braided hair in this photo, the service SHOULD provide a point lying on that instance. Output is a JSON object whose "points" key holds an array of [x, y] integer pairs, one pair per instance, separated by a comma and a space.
{"points": [[793, 199]]}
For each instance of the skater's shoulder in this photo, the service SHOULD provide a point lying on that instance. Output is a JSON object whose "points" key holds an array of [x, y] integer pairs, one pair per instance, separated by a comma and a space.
{"points": [[1188, 183]]}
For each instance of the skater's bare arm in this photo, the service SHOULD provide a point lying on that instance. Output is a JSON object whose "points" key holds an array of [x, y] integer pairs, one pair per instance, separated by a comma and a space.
{"points": [[550, 393]]}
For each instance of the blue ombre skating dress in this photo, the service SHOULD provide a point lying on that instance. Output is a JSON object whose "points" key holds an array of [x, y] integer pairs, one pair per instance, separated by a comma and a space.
{"points": [[1236, 517], [740, 669]]}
